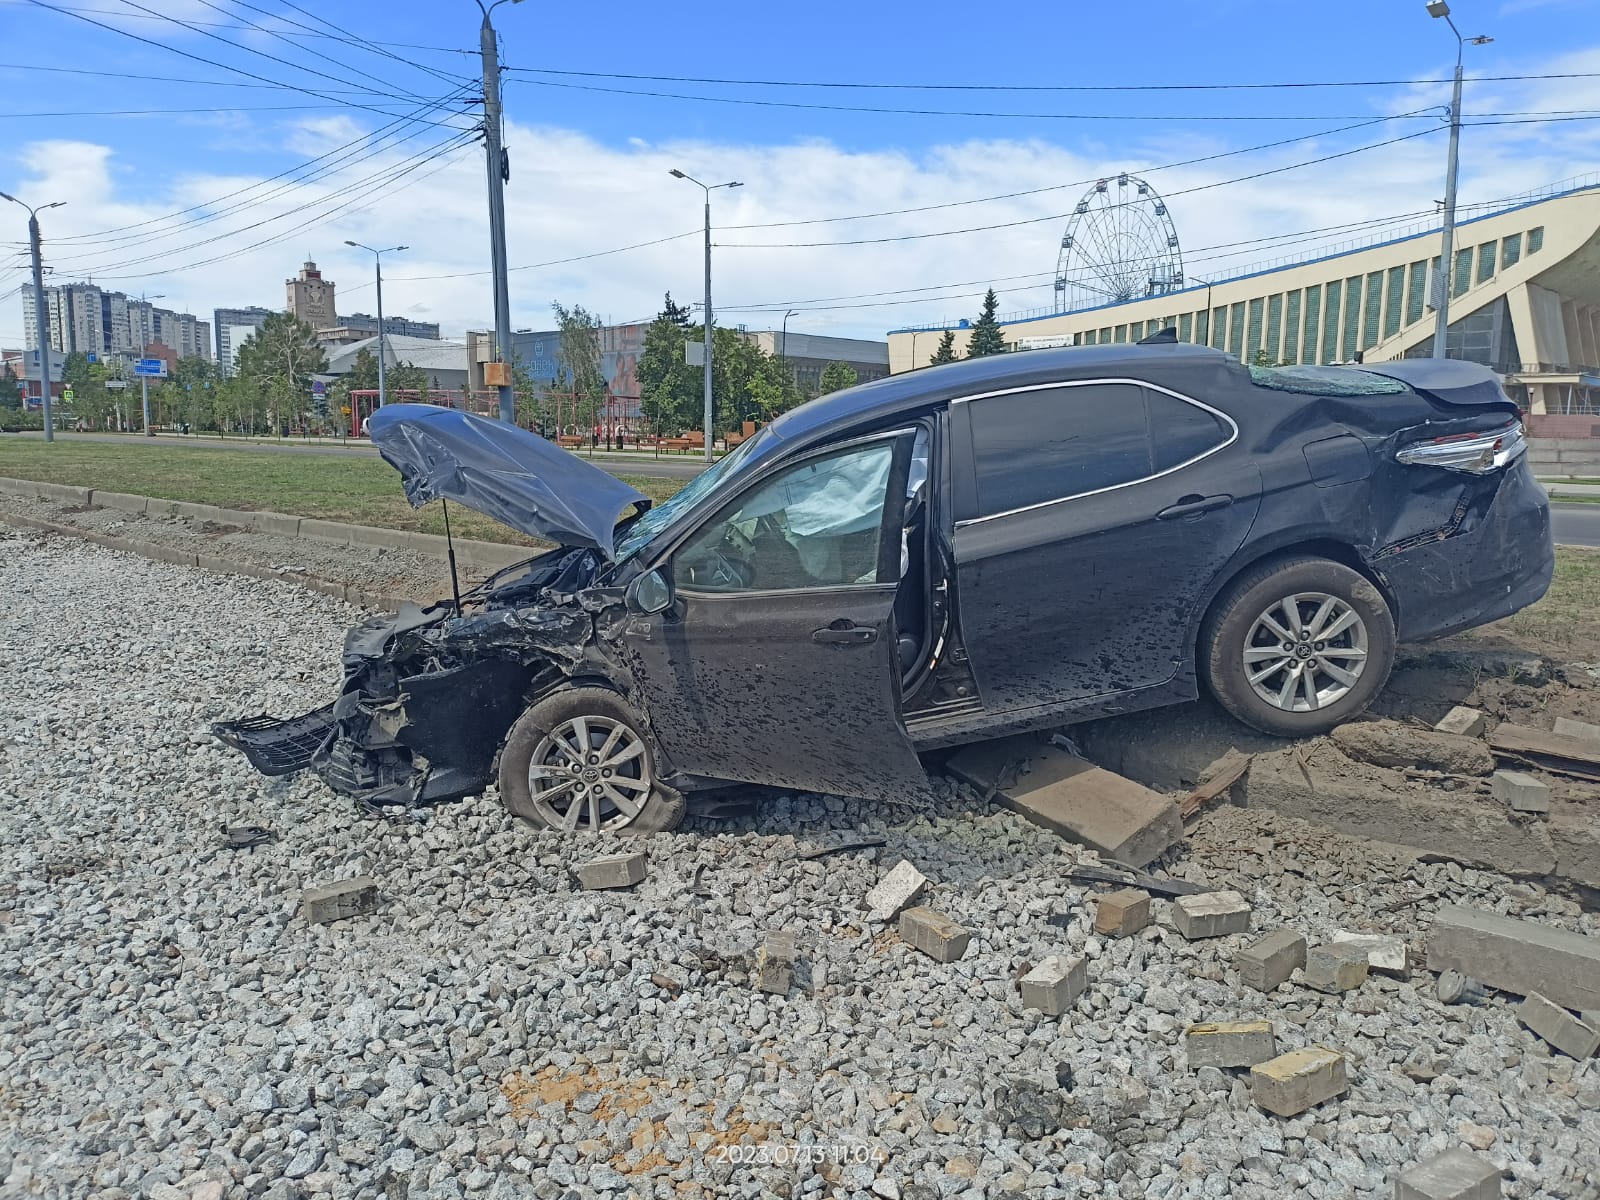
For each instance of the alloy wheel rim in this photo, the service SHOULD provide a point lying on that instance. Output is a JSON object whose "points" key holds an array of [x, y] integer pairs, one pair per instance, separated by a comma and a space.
{"points": [[1305, 651], [590, 774]]}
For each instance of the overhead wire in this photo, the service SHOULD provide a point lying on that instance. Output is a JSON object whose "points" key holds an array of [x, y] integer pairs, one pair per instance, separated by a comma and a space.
{"points": [[360, 44], [123, 13], [231, 83]]}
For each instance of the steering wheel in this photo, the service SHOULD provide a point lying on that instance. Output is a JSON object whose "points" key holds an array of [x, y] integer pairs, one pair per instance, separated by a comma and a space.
{"points": [[720, 572]]}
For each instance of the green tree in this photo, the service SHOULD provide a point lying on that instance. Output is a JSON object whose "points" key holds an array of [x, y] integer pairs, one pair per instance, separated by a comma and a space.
{"points": [[986, 337], [279, 360], [10, 388], [1263, 359], [579, 360], [837, 376], [670, 390], [76, 372], [945, 351]]}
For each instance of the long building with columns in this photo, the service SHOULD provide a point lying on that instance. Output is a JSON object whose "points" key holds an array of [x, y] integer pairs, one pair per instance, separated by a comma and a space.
{"points": [[1525, 301]]}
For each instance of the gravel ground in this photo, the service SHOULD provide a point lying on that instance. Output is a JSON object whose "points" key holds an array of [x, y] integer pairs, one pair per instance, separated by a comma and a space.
{"points": [[171, 1028], [378, 569]]}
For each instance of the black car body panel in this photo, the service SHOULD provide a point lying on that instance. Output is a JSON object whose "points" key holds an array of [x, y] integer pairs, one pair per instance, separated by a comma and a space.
{"points": [[1038, 541]]}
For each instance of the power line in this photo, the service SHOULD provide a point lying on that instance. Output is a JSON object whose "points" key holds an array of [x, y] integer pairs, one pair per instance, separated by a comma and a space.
{"points": [[231, 83], [343, 36], [175, 112], [933, 112], [1028, 87], [557, 262], [912, 237], [123, 13]]}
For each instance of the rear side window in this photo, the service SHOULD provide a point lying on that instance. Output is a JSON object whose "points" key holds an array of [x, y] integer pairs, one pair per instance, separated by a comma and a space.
{"points": [[1181, 430], [1049, 443], [1052, 443]]}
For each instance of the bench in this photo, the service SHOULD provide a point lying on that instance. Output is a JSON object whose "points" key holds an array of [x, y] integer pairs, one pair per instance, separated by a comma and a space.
{"points": [[569, 441], [675, 444]]}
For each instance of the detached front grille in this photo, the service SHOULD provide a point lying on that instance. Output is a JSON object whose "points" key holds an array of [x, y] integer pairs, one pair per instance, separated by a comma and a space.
{"points": [[277, 746]]}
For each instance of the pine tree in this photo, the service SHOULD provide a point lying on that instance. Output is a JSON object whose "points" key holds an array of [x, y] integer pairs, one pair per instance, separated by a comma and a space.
{"points": [[986, 338], [945, 351]]}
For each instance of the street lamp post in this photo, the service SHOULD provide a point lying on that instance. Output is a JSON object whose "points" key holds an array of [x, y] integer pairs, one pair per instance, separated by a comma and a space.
{"points": [[144, 346], [1439, 8], [707, 189], [783, 349], [377, 259], [499, 168], [41, 314], [1208, 283]]}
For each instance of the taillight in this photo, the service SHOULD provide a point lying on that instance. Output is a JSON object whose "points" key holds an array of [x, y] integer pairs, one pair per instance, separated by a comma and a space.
{"points": [[1474, 453]]}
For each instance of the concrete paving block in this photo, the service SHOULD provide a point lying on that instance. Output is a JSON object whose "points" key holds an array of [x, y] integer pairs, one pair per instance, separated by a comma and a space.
{"points": [[1454, 1175], [432, 544], [1568, 1034], [325, 531], [1567, 727], [1272, 960], [335, 901], [1054, 986], [1335, 968], [281, 524], [775, 962], [1122, 913], [612, 871], [1211, 914], [1517, 956], [933, 933], [199, 512], [374, 537], [1301, 1079], [1229, 1044], [1468, 722], [1523, 792], [121, 501], [1119, 818], [1386, 955], [328, 587], [63, 492], [903, 884]]}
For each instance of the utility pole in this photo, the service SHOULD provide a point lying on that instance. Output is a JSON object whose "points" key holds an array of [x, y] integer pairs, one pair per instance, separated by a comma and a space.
{"points": [[377, 258], [707, 189], [783, 350], [1447, 249], [41, 313], [144, 332], [499, 171]]}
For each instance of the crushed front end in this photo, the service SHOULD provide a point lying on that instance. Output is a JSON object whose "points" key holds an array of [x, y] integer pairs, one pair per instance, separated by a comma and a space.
{"points": [[429, 694]]}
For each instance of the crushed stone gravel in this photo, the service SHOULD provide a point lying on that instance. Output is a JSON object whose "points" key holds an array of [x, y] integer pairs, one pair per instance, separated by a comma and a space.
{"points": [[171, 1027]]}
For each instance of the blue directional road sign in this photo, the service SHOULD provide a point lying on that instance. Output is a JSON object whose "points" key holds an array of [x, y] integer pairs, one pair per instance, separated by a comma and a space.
{"points": [[151, 366]]}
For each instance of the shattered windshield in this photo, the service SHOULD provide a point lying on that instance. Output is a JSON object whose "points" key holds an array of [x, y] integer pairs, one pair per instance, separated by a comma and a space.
{"points": [[1325, 381], [661, 515]]}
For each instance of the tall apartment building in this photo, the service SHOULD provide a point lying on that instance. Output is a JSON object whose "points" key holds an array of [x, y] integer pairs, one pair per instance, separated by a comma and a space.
{"points": [[358, 327], [310, 297], [233, 326], [84, 318]]}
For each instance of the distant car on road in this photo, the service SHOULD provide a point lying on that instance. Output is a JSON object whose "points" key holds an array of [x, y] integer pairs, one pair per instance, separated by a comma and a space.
{"points": [[1003, 544]]}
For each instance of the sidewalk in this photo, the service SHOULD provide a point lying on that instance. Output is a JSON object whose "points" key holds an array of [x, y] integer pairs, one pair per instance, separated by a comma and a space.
{"points": [[1557, 488]]}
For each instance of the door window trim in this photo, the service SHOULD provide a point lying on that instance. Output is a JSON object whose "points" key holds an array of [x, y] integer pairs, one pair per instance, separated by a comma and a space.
{"points": [[1233, 436], [775, 468]]}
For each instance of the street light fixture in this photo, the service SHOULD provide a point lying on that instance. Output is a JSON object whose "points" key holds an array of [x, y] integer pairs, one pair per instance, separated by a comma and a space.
{"points": [[41, 314], [707, 189], [144, 346], [377, 258], [783, 352], [1210, 333], [1447, 270]]}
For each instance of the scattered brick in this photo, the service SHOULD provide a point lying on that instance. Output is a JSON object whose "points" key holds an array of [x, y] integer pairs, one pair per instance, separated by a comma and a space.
{"points": [[1517, 956], [1468, 722], [1122, 913], [1272, 960], [1301, 1079], [1521, 791], [1230, 1044], [1335, 968], [1573, 1037], [1454, 1175], [336, 901], [1567, 727], [1211, 914], [612, 871], [894, 891], [1386, 955], [1054, 985], [933, 933], [775, 963]]}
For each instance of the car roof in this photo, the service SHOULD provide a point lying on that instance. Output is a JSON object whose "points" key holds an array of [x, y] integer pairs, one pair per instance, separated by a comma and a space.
{"points": [[911, 391]]}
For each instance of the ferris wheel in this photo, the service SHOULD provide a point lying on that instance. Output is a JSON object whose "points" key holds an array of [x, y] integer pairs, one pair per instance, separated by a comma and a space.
{"points": [[1120, 245]]}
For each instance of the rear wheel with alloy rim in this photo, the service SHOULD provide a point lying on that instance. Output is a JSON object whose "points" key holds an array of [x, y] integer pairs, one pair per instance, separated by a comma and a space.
{"points": [[1298, 646], [579, 762]]}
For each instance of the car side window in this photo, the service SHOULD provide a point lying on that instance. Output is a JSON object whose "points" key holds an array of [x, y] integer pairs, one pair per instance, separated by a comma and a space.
{"points": [[1050, 443], [1181, 431], [817, 524]]}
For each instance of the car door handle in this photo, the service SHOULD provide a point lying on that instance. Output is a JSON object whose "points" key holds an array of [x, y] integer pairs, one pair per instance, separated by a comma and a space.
{"points": [[842, 633], [1193, 506]]}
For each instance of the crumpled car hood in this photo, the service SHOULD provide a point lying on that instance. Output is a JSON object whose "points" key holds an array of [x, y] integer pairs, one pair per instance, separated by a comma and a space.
{"points": [[502, 471]]}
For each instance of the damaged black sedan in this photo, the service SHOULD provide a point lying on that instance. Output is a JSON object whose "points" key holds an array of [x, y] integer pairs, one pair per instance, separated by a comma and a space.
{"points": [[1005, 544]]}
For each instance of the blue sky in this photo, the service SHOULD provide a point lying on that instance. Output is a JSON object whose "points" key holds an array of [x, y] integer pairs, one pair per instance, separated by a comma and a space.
{"points": [[589, 166]]}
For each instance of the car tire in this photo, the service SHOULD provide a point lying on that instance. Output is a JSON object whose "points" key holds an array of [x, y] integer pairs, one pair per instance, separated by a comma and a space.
{"points": [[541, 782], [1262, 660]]}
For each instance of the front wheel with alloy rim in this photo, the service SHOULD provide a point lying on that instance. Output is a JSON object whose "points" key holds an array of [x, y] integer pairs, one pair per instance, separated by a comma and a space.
{"points": [[1298, 646], [578, 761]]}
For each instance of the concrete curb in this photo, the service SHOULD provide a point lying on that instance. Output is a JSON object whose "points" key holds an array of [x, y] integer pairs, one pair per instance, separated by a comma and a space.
{"points": [[377, 601], [472, 555]]}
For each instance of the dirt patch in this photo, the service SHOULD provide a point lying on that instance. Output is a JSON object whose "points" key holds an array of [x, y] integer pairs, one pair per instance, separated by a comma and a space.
{"points": [[1391, 744]]}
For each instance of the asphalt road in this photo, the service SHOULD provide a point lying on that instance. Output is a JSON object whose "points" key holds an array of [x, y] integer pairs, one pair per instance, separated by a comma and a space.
{"points": [[1575, 524]]}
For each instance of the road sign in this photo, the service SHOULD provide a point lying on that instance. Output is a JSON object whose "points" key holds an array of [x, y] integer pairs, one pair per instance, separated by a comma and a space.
{"points": [[694, 354], [66, 396], [116, 385], [91, 357], [155, 367], [318, 388]]}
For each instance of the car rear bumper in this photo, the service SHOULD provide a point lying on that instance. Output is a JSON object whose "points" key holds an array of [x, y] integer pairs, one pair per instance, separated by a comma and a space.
{"points": [[1500, 561]]}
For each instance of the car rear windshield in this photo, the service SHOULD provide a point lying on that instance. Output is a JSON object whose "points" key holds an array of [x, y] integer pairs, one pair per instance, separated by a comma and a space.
{"points": [[1325, 381]]}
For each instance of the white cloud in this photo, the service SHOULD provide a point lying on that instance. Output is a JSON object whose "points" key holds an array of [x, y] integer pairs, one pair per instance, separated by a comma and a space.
{"points": [[570, 195]]}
